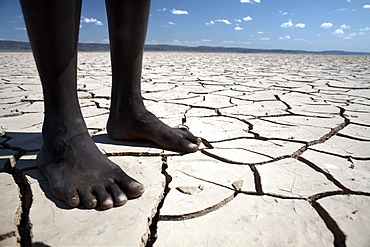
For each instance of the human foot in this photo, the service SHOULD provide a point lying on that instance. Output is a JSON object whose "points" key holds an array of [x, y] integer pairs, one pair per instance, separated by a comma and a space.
{"points": [[142, 124], [79, 173]]}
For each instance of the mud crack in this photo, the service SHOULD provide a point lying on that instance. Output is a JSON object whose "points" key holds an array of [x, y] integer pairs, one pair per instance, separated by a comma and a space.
{"points": [[24, 226], [322, 139], [154, 221], [339, 236], [24, 236], [200, 212]]}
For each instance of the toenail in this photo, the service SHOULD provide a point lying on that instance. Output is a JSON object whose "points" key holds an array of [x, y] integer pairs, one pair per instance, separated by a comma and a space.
{"points": [[136, 185], [192, 145], [73, 199], [93, 202], [107, 202], [122, 198]]}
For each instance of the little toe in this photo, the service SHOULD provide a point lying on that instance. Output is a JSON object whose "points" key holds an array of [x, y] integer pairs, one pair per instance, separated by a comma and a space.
{"points": [[104, 199], [70, 196], [119, 197], [88, 199]]}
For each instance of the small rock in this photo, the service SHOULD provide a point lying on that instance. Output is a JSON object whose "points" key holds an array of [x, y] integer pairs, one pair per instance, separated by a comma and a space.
{"points": [[190, 190], [238, 185]]}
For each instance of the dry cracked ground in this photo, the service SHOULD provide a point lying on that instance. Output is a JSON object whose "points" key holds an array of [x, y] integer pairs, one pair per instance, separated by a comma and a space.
{"points": [[285, 158]]}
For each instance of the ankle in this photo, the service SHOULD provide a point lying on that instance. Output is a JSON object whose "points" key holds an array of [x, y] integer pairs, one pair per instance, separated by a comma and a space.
{"points": [[62, 131]]}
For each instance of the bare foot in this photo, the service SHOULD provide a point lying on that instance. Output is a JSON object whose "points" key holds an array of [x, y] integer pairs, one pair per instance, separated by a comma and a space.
{"points": [[142, 124], [79, 173]]}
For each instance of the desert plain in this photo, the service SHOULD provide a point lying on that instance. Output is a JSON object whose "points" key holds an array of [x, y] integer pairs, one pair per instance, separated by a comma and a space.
{"points": [[285, 157]]}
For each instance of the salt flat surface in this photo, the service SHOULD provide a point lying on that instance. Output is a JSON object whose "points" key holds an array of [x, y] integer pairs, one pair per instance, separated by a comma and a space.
{"points": [[285, 159]]}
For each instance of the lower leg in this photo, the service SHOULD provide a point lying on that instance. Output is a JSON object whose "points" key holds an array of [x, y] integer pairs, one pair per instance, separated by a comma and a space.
{"points": [[76, 169], [129, 119]]}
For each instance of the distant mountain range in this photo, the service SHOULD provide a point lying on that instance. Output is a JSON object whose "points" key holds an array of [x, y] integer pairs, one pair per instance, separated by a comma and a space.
{"points": [[16, 46]]}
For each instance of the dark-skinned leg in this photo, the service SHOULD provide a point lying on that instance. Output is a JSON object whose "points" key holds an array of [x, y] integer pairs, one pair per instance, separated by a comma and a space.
{"points": [[76, 170], [129, 119]]}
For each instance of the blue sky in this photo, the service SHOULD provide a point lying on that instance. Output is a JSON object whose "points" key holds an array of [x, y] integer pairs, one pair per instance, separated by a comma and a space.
{"points": [[314, 25]]}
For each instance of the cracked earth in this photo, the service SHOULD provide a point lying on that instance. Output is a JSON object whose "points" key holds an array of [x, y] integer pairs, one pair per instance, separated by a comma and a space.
{"points": [[284, 161]]}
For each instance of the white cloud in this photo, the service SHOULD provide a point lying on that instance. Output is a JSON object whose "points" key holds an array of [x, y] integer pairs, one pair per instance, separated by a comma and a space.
{"points": [[224, 21], [232, 42], [20, 28], [105, 41], [285, 37], [250, 1], [247, 18], [164, 9], [355, 34], [287, 24], [264, 38], [91, 20], [179, 12], [171, 23], [290, 24], [365, 29], [260, 32], [238, 20], [283, 13], [301, 25], [206, 40], [153, 41], [366, 6], [210, 23], [326, 25], [338, 32], [238, 28]]}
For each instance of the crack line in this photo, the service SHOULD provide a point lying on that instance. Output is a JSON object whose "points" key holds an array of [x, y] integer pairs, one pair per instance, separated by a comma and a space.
{"points": [[200, 212], [347, 157], [326, 174], [339, 236], [24, 226], [149, 240]]}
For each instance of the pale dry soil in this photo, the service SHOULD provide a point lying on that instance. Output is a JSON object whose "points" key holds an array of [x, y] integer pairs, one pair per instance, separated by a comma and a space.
{"points": [[285, 158]]}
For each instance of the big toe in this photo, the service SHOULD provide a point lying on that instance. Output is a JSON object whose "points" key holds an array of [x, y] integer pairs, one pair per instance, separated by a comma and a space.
{"points": [[188, 144], [130, 186], [188, 147], [187, 141], [135, 189]]}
